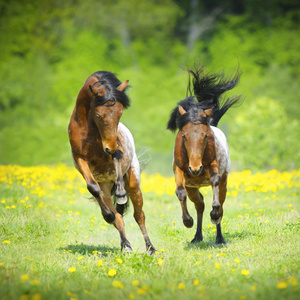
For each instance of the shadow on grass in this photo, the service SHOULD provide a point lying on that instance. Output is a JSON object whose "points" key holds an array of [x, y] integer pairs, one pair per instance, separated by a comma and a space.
{"points": [[230, 238], [89, 249]]}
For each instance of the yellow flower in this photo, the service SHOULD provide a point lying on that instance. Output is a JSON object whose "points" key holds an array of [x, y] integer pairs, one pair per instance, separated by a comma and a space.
{"points": [[135, 282], [237, 260], [181, 286], [118, 284], [112, 272], [160, 262], [141, 292], [267, 221], [72, 269], [99, 263], [119, 260], [196, 282], [36, 297], [253, 288], [293, 281], [282, 285], [217, 265], [131, 296], [24, 277], [35, 282], [6, 242], [80, 257], [245, 272]]}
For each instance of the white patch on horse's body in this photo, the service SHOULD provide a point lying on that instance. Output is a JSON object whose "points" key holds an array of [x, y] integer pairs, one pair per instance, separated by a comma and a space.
{"points": [[222, 150], [129, 149]]}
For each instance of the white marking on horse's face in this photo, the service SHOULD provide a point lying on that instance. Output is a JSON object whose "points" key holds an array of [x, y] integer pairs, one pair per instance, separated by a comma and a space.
{"points": [[222, 150]]}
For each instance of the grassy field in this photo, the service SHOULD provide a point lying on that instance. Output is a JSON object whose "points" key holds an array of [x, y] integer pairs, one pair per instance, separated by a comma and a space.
{"points": [[54, 243]]}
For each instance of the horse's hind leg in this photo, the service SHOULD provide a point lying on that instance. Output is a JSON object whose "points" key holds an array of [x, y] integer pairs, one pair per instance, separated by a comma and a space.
{"points": [[119, 223], [120, 189], [222, 197], [196, 197], [135, 194], [181, 195]]}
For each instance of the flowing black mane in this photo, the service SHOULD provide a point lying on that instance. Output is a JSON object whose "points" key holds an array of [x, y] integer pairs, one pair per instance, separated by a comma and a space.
{"points": [[204, 92], [110, 82]]}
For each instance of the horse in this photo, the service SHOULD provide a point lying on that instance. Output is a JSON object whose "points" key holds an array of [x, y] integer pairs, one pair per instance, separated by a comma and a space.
{"points": [[103, 151], [201, 155]]}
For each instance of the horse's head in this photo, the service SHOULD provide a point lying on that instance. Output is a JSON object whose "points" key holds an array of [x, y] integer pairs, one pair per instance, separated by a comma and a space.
{"points": [[106, 113], [195, 134]]}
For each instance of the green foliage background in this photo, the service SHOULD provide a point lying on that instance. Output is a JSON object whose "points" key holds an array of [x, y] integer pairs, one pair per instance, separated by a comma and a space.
{"points": [[49, 48]]}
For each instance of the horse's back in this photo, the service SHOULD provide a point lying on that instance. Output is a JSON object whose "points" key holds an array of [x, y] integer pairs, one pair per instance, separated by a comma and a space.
{"points": [[222, 150]]}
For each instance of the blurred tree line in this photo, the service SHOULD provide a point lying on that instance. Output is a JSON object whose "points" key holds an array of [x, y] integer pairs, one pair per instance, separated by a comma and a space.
{"points": [[49, 48]]}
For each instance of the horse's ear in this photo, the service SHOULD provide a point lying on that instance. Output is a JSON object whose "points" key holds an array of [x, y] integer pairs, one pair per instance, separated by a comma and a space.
{"points": [[181, 110], [97, 89], [122, 86], [208, 112]]}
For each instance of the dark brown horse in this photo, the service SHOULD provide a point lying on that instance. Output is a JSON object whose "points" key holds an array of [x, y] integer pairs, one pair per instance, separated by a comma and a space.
{"points": [[201, 155], [104, 153]]}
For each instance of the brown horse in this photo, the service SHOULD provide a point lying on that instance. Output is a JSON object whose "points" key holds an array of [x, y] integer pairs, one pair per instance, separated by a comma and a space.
{"points": [[201, 155], [104, 153]]}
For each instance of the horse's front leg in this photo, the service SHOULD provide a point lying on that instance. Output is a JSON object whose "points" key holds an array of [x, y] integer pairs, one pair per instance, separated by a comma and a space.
{"points": [[181, 195], [196, 197], [94, 189], [135, 194], [120, 189], [215, 214], [119, 223]]}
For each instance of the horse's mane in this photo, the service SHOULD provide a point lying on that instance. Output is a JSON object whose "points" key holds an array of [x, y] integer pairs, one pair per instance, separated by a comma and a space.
{"points": [[110, 82], [205, 91]]}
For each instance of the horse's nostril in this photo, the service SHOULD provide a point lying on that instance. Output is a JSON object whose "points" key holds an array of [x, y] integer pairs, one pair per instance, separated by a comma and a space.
{"points": [[107, 151]]}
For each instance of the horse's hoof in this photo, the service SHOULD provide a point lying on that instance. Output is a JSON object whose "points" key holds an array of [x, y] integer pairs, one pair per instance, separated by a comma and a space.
{"points": [[151, 250], [110, 218], [188, 222], [196, 240], [121, 200], [220, 241], [126, 249]]}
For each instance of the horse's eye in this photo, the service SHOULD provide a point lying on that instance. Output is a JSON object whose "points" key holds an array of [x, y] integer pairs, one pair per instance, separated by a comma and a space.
{"points": [[206, 135], [183, 136], [98, 116]]}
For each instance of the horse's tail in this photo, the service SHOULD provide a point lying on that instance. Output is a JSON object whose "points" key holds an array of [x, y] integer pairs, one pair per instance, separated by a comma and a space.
{"points": [[121, 208], [207, 88]]}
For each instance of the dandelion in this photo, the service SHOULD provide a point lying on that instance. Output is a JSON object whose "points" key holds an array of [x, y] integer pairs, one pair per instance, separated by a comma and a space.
{"points": [[72, 269], [35, 282], [237, 260], [135, 282], [24, 277], [245, 272], [118, 284], [141, 291], [181, 286], [99, 263], [36, 297], [131, 296], [293, 281], [162, 250], [282, 285], [196, 282], [6, 242], [80, 257], [112, 272], [253, 288], [217, 265], [87, 292], [119, 260], [160, 262], [267, 221]]}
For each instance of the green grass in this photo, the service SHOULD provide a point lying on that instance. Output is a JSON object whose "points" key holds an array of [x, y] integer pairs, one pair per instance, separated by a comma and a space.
{"points": [[42, 238]]}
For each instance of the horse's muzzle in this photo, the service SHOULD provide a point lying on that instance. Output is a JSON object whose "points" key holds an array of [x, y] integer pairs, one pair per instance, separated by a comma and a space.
{"points": [[197, 172]]}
